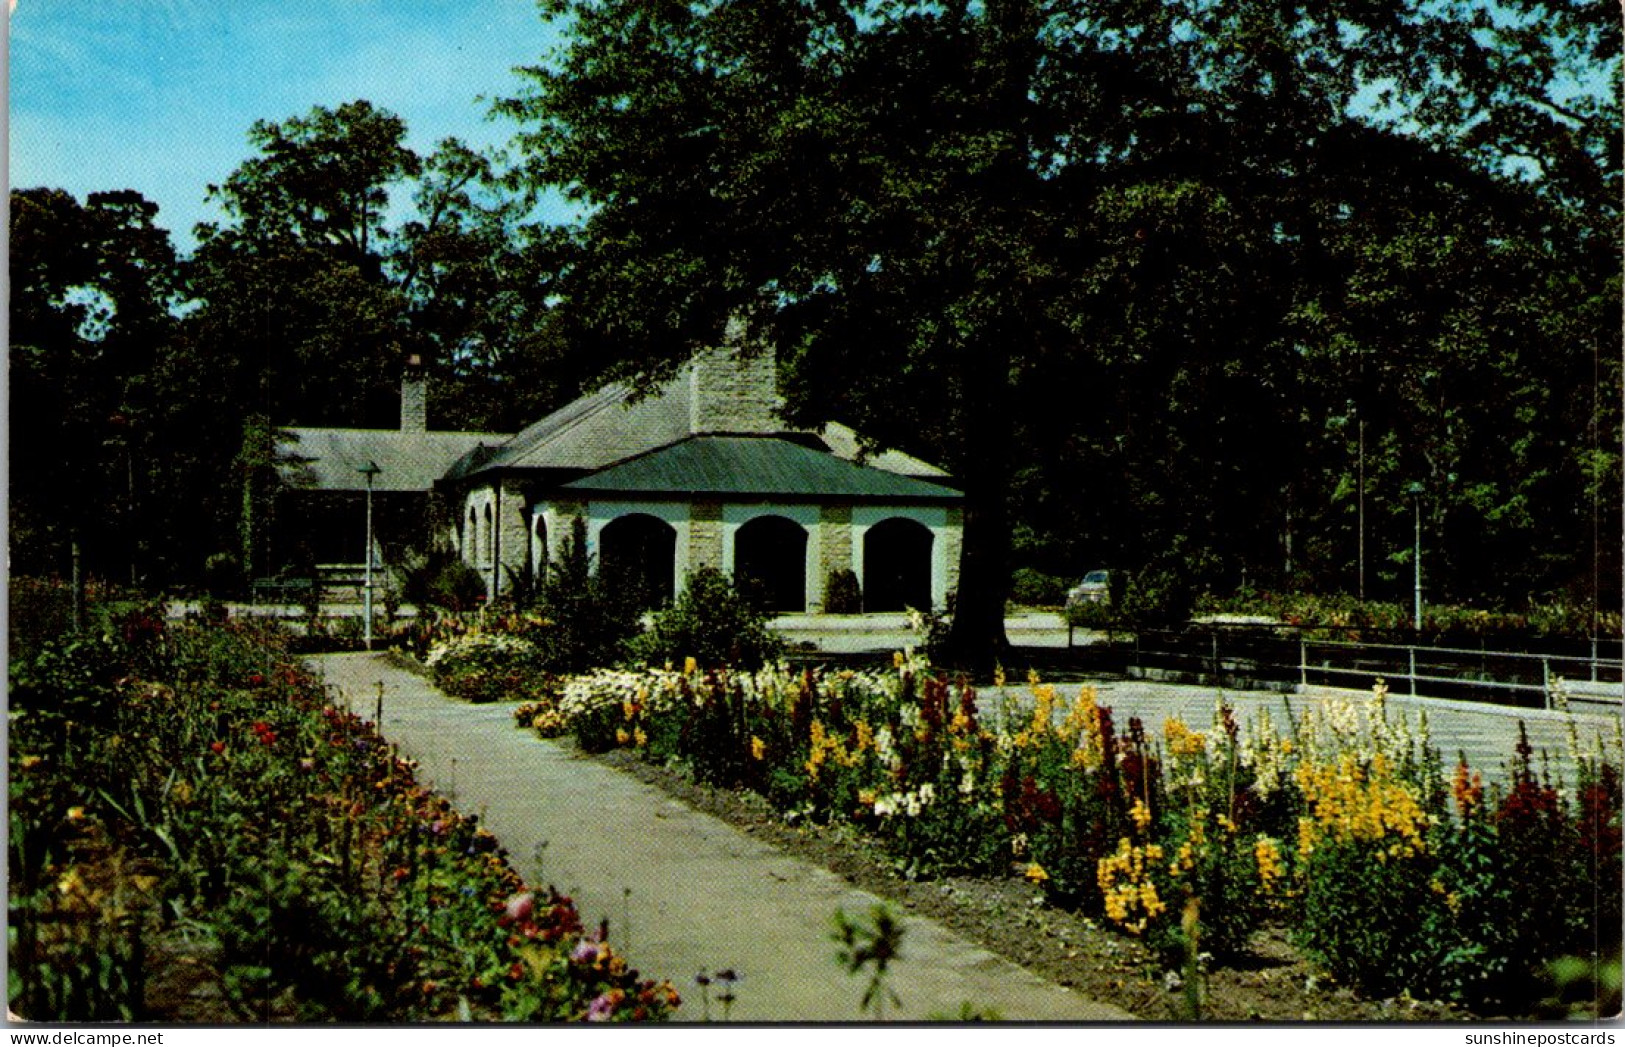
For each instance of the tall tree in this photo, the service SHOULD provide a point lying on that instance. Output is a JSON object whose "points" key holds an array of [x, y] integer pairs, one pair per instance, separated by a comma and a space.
{"points": [[92, 285], [343, 253], [989, 211]]}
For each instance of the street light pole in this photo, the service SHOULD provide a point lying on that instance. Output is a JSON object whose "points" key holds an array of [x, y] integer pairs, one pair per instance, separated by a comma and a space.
{"points": [[369, 470], [1416, 615]]}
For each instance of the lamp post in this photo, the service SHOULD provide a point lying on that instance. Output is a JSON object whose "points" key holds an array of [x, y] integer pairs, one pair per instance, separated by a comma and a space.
{"points": [[369, 470], [1415, 491]]}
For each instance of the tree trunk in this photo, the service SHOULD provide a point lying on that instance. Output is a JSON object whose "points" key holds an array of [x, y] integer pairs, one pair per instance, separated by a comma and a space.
{"points": [[976, 637], [77, 582]]}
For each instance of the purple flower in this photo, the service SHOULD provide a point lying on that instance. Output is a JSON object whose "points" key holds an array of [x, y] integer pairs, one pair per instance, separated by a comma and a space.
{"points": [[585, 952], [601, 1009]]}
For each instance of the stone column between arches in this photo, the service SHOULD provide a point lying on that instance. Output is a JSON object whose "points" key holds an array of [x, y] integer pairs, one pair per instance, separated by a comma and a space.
{"points": [[513, 535], [953, 548], [559, 518], [704, 537], [834, 547]]}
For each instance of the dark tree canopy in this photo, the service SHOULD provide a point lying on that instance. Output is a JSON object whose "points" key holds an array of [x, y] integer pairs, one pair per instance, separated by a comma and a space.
{"points": [[1129, 269], [1196, 286]]}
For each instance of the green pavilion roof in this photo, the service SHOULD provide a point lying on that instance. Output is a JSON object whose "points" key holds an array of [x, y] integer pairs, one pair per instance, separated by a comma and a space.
{"points": [[758, 466]]}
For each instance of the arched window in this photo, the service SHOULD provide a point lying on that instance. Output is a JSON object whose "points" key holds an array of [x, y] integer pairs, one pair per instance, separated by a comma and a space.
{"points": [[770, 563], [637, 553], [471, 547], [490, 547], [897, 565]]}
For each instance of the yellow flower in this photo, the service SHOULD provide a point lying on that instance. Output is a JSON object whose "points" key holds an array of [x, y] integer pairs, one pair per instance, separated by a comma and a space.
{"points": [[690, 666], [758, 748], [1268, 857], [1141, 815], [1182, 741], [621, 737], [1036, 873], [640, 738]]}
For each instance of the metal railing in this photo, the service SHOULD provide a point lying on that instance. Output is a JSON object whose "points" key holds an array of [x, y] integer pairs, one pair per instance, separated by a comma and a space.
{"points": [[1263, 656], [1456, 668]]}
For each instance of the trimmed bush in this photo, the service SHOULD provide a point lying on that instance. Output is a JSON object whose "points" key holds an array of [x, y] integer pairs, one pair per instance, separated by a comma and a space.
{"points": [[1031, 588], [842, 593], [711, 623]]}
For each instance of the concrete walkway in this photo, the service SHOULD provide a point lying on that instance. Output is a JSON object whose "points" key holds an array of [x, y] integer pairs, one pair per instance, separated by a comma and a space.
{"points": [[683, 891]]}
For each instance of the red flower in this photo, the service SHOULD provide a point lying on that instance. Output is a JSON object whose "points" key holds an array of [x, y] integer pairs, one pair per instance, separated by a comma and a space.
{"points": [[217, 747]]}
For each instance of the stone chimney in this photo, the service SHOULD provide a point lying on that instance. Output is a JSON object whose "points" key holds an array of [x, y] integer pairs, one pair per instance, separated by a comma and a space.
{"points": [[414, 396], [733, 394]]}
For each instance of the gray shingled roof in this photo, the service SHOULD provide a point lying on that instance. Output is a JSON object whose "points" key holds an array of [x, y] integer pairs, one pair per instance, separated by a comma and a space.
{"points": [[756, 466], [609, 426], [595, 431], [332, 459]]}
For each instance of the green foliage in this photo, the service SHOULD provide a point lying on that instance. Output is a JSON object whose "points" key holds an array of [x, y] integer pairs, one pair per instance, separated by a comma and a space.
{"points": [[368, 898], [1338, 829], [1031, 588], [442, 579], [1369, 920], [710, 622], [590, 620], [960, 275], [1164, 592], [871, 944], [1342, 616], [842, 592]]}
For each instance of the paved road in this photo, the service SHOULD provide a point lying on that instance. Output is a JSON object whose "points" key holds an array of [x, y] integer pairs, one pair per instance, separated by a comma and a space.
{"points": [[684, 892]]}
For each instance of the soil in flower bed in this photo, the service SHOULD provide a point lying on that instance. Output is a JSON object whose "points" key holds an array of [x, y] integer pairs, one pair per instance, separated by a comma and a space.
{"points": [[1010, 917]]}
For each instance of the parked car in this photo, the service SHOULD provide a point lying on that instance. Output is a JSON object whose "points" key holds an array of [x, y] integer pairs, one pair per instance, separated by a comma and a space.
{"points": [[1095, 588]]}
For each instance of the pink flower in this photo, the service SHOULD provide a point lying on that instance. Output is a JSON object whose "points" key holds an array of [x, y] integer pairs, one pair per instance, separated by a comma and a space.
{"points": [[585, 952], [601, 1009], [520, 906]]}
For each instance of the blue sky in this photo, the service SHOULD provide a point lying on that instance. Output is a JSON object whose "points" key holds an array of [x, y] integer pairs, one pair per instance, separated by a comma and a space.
{"points": [[157, 95]]}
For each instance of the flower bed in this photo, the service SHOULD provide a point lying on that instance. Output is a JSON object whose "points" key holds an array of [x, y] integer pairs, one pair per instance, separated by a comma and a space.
{"points": [[192, 780], [1392, 871], [491, 667]]}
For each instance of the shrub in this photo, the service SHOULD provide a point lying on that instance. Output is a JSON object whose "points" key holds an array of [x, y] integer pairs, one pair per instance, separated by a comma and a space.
{"points": [[223, 575], [441, 579], [1165, 591], [842, 593], [1032, 588], [589, 618], [490, 667], [712, 623]]}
